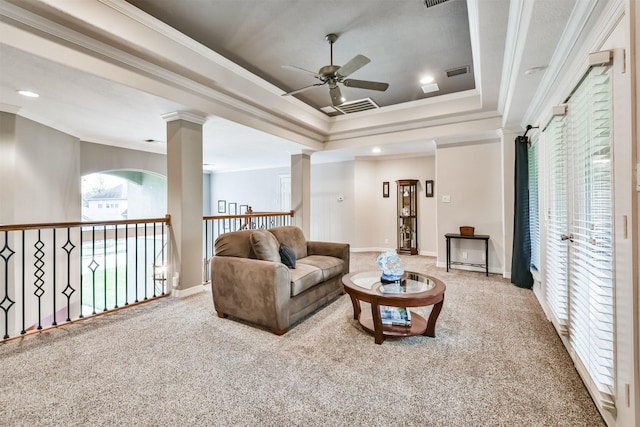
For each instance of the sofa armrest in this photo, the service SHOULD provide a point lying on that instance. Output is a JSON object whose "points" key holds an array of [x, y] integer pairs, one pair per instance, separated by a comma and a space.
{"points": [[338, 250], [254, 290]]}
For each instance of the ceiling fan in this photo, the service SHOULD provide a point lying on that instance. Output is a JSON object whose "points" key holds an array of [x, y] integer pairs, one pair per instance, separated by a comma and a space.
{"points": [[331, 75]]}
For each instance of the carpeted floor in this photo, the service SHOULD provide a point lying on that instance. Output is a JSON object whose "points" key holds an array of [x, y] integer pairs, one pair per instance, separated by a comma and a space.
{"points": [[495, 361]]}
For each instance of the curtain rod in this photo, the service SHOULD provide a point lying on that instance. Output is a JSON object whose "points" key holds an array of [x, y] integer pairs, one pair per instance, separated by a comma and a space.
{"points": [[529, 127]]}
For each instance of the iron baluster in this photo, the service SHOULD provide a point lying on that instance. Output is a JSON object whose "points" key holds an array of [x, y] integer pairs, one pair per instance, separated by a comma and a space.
{"points": [[68, 290], [104, 267], [146, 261], [126, 265], [117, 265], [206, 239], [24, 286], [54, 277], [136, 228], [154, 258], [81, 275], [93, 267], [38, 274], [6, 253], [164, 271]]}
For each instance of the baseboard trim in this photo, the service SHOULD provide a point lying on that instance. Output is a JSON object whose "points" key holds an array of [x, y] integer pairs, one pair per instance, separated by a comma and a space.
{"points": [[443, 264], [182, 293], [424, 253]]}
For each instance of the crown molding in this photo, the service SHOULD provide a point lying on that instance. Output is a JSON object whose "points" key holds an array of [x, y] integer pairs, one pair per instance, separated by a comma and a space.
{"points": [[8, 108], [188, 116], [520, 12], [562, 76]]}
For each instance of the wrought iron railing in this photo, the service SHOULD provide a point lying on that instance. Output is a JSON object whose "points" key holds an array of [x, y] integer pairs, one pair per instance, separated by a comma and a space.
{"points": [[57, 273], [214, 226]]}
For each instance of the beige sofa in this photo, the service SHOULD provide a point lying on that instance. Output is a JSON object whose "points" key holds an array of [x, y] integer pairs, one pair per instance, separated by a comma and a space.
{"points": [[249, 281]]}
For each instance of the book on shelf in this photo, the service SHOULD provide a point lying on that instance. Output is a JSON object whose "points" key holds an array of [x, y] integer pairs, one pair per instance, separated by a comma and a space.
{"points": [[399, 316]]}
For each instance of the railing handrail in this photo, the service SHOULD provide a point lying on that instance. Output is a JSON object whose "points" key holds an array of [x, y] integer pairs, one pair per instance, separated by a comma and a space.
{"points": [[251, 215], [17, 227]]}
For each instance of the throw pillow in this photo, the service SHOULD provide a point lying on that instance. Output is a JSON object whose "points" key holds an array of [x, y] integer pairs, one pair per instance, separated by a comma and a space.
{"points": [[288, 256], [265, 245]]}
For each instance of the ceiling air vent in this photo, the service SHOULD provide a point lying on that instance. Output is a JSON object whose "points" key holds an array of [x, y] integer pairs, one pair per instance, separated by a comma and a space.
{"points": [[431, 3], [356, 106], [457, 71]]}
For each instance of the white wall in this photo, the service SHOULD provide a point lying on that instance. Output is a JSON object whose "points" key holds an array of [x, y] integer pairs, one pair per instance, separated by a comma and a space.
{"points": [[40, 180], [471, 175], [377, 216], [259, 189], [333, 220], [149, 199], [366, 187]]}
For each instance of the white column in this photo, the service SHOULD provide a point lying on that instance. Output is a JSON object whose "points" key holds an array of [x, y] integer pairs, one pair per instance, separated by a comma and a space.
{"points": [[184, 199], [508, 151], [301, 191]]}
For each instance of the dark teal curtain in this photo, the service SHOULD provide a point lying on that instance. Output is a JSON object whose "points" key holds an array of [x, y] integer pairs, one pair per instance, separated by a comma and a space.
{"points": [[521, 255]]}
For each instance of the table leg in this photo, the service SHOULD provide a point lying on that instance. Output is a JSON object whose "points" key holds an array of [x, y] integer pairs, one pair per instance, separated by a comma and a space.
{"points": [[377, 322], [433, 317], [486, 256], [448, 252], [356, 307]]}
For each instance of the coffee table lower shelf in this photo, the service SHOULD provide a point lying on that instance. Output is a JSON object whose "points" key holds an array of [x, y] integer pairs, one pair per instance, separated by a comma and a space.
{"points": [[418, 326]]}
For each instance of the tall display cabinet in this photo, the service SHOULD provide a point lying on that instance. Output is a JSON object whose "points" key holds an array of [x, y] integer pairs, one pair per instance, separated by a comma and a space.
{"points": [[407, 216]]}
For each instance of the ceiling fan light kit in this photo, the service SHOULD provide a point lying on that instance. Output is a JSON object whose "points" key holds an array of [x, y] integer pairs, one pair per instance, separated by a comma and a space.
{"points": [[333, 75]]}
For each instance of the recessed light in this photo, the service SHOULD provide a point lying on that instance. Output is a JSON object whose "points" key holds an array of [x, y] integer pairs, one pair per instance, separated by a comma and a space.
{"points": [[426, 80], [28, 93], [376, 150]]}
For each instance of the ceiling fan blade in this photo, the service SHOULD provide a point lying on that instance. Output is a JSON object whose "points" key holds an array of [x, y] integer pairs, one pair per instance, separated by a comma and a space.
{"points": [[301, 89], [353, 65], [366, 84], [336, 95], [294, 68]]}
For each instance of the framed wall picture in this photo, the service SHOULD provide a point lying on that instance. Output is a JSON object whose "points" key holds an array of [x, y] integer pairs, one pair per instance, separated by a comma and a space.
{"points": [[222, 206], [233, 208], [428, 188], [243, 209], [385, 189]]}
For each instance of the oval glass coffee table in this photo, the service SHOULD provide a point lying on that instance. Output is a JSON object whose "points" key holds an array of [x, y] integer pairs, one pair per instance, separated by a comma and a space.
{"points": [[418, 290]]}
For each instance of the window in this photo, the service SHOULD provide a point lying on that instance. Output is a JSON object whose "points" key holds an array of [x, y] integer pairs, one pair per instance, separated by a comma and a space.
{"points": [[579, 243], [556, 218], [591, 252]]}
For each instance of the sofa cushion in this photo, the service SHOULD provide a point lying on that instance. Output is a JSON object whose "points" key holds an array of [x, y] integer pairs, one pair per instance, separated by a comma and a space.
{"points": [[292, 237], [235, 244], [330, 266], [304, 277], [265, 246], [287, 256]]}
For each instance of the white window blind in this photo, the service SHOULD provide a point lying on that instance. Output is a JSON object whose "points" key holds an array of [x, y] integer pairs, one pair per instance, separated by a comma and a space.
{"points": [[534, 220], [591, 253], [556, 220]]}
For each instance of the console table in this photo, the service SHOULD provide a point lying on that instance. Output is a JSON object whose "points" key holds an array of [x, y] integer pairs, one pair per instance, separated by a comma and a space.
{"points": [[484, 237]]}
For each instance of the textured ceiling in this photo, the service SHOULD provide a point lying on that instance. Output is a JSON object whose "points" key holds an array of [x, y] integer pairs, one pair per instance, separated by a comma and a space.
{"points": [[404, 39]]}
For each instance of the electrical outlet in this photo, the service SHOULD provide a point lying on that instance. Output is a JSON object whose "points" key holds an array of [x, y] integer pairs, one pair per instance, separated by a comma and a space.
{"points": [[464, 255], [446, 198], [484, 258]]}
